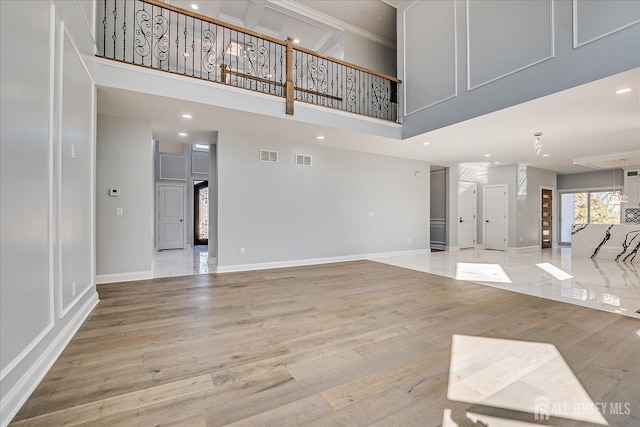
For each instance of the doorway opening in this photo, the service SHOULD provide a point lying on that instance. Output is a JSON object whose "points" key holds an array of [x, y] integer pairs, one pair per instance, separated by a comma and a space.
{"points": [[200, 213], [495, 215]]}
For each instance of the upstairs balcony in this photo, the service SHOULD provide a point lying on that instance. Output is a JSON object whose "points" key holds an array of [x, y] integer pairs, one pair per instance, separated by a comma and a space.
{"points": [[159, 36]]}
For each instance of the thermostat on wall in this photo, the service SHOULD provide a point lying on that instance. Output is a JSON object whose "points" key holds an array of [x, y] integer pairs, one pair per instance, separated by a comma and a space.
{"points": [[114, 192]]}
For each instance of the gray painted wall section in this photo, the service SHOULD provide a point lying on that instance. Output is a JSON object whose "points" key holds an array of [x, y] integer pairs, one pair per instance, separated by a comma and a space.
{"points": [[47, 154], [369, 54], [124, 244], [590, 180], [528, 204], [505, 53], [282, 212]]}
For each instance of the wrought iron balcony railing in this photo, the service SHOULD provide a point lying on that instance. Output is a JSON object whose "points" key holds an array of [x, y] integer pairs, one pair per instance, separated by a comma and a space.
{"points": [[160, 36]]}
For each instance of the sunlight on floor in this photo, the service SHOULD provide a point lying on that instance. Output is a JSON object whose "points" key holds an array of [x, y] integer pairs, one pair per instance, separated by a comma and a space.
{"points": [[555, 271], [481, 272], [522, 376]]}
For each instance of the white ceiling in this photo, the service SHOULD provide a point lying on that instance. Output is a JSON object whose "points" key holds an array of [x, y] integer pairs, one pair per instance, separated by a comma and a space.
{"points": [[582, 128], [318, 24]]}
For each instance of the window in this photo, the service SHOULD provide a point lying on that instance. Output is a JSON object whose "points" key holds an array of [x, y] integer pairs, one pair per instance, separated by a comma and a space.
{"points": [[586, 207], [201, 147]]}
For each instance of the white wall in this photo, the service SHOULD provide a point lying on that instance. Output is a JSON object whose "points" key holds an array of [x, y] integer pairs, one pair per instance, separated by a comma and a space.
{"points": [[47, 154], [280, 212], [464, 59], [124, 244], [591, 180]]}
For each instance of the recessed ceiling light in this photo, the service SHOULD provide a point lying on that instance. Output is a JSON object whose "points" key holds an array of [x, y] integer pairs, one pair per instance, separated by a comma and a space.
{"points": [[625, 90], [194, 6], [426, 143], [296, 41], [182, 134], [545, 155], [320, 137], [496, 163], [487, 155], [187, 116]]}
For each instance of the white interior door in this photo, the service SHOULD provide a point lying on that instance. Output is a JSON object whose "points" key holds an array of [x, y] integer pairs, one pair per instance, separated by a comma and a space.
{"points": [[495, 217], [467, 214], [170, 216]]}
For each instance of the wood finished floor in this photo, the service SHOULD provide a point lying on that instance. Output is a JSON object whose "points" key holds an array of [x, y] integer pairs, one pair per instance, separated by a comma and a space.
{"points": [[356, 343]]}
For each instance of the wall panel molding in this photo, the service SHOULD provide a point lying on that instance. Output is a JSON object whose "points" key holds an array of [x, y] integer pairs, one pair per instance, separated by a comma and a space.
{"points": [[455, 63], [576, 30], [199, 163], [81, 291], [551, 53], [179, 163], [20, 392]]}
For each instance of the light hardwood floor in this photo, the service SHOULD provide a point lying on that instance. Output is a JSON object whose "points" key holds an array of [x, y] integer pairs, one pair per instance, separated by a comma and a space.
{"points": [[357, 343]]}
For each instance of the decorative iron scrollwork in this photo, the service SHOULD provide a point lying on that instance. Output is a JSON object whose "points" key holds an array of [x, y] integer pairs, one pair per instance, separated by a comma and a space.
{"points": [[160, 27], [380, 99], [351, 88], [209, 51], [318, 77], [143, 33]]}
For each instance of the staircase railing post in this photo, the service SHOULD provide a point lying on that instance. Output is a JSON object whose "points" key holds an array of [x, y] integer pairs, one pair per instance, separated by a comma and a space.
{"points": [[289, 87]]}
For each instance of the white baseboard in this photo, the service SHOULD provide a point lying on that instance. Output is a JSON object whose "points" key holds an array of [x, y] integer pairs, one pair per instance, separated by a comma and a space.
{"points": [[123, 277], [315, 261], [453, 248], [13, 400]]}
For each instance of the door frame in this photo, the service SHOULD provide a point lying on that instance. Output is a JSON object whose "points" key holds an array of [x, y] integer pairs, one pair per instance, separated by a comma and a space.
{"points": [[553, 215], [156, 214], [196, 212], [475, 215], [506, 216]]}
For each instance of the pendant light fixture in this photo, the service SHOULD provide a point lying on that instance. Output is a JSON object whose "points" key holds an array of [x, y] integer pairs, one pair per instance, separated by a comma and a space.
{"points": [[537, 145]]}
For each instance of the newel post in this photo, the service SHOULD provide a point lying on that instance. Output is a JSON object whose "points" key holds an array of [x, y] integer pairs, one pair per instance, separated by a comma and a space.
{"points": [[289, 88]]}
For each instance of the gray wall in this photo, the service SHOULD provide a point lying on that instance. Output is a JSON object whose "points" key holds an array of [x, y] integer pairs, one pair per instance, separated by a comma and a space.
{"points": [[369, 54], [464, 59], [530, 181], [213, 202], [124, 244], [282, 212], [590, 180], [47, 153]]}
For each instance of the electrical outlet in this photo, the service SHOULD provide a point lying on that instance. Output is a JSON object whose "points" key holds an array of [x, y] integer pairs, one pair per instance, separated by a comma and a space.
{"points": [[119, 212], [241, 251]]}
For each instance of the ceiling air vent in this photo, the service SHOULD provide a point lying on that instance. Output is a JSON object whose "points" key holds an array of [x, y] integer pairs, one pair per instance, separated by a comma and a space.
{"points": [[303, 160], [269, 156]]}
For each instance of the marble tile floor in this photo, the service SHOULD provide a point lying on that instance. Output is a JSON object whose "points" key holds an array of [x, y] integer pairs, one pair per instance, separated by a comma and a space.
{"points": [[550, 273], [182, 262]]}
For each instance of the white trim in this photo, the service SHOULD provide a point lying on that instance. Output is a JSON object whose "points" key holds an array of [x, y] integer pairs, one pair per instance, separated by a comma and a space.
{"points": [[551, 48], [88, 21], [522, 248], [577, 45], [198, 153], [13, 400], [123, 277], [455, 61], [315, 261]]}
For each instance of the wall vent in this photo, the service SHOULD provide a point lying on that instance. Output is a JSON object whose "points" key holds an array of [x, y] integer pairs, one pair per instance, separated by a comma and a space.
{"points": [[268, 156], [303, 160]]}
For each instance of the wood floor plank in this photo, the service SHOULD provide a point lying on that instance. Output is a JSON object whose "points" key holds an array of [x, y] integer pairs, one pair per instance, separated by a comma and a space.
{"points": [[354, 343]]}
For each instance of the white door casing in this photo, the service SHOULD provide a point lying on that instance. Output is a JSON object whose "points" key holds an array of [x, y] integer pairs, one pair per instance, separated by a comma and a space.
{"points": [[495, 216], [170, 215], [467, 210]]}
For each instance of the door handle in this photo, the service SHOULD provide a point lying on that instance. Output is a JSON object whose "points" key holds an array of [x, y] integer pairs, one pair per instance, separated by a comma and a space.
{"points": [[180, 220], [487, 220], [461, 219]]}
